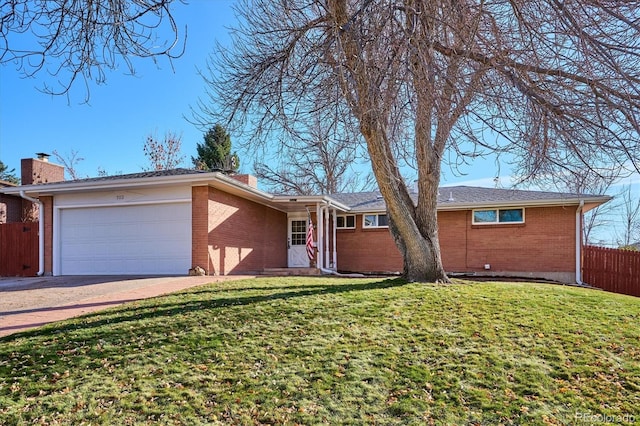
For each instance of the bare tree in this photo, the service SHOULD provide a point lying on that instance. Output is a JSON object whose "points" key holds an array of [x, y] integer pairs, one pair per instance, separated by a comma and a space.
{"points": [[69, 161], [319, 159], [594, 220], [81, 39], [629, 231], [30, 212], [586, 181], [163, 154], [102, 172], [555, 83]]}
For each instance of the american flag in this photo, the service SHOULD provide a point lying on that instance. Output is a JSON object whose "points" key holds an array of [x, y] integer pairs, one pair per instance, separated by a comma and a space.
{"points": [[310, 251]]}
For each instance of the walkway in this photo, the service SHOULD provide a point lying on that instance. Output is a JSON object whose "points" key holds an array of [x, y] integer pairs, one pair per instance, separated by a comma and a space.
{"points": [[32, 302]]}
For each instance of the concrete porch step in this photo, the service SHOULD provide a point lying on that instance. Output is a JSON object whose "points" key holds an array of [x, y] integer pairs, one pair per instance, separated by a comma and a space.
{"points": [[291, 271]]}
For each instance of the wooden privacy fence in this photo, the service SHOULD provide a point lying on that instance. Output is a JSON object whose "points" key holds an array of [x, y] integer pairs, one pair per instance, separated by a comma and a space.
{"points": [[612, 270], [19, 249]]}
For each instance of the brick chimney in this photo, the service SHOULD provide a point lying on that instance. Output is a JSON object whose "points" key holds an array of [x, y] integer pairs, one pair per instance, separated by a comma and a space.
{"points": [[40, 170], [250, 180]]}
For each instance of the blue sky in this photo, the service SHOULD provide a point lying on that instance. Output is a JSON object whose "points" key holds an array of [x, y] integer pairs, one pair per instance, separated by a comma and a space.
{"points": [[110, 130]]}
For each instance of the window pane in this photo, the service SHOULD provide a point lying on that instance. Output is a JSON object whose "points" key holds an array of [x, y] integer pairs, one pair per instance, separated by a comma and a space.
{"points": [[298, 239], [485, 216], [369, 220], [511, 215], [382, 220], [298, 232], [351, 221], [346, 221], [298, 226]]}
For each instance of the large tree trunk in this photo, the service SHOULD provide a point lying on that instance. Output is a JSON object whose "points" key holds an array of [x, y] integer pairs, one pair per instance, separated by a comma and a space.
{"points": [[414, 229], [422, 260]]}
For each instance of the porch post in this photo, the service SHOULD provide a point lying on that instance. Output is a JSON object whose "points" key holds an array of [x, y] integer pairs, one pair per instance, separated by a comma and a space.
{"points": [[319, 258], [326, 236], [335, 254]]}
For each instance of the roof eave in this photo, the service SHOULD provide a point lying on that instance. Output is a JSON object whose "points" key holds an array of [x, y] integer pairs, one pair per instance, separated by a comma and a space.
{"points": [[590, 201], [215, 179], [595, 201], [311, 199], [71, 186]]}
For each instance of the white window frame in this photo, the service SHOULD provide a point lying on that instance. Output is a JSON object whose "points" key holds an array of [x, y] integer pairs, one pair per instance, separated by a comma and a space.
{"points": [[376, 226], [497, 221], [345, 216]]}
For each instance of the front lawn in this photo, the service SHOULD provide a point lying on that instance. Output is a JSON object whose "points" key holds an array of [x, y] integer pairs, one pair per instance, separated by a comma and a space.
{"points": [[334, 351]]}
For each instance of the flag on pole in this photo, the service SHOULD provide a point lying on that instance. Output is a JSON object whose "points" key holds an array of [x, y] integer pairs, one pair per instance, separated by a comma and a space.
{"points": [[310, 250]]}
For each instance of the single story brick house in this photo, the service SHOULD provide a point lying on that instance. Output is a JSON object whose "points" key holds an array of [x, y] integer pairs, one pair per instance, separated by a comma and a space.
{"points": [[166, 222]]}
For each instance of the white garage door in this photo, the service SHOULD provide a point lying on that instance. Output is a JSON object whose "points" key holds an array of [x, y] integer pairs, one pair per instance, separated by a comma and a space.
{"points": [[146, 239]]}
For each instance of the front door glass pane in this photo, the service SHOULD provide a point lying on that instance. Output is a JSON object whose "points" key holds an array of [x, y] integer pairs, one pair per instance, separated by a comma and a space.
{"points": [[298, 232]]}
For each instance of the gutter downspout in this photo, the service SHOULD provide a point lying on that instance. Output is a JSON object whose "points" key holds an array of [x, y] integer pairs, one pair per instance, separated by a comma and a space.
{"points": [[338, 274], [579, 243], [40, 232]]}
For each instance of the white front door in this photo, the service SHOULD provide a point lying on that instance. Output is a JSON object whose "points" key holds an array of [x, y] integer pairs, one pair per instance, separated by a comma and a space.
{"points": [[297, 243]]}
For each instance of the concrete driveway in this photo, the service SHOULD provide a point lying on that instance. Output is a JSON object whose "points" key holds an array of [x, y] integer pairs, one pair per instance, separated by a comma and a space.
{"points": [[31, 302]]}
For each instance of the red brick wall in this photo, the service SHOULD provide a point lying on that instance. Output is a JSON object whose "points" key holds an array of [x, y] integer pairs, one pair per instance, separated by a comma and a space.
{"points": [[544, 243], [452, 233], [34, 171], [246, 179], [47, 214], [200, 228], [241, 236], [367, 250]]}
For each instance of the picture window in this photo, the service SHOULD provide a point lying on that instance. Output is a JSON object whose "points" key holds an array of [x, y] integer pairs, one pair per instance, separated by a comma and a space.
{"points": [[346, 222], [498, 216], [375, 221]]}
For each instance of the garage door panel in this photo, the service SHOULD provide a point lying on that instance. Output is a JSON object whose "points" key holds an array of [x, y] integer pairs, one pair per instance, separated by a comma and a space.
{"points": [[149, 239]]}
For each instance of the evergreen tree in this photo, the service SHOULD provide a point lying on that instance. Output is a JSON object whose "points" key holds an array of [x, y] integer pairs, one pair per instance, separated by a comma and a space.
{"points": [[215, 152], [8, 175]]}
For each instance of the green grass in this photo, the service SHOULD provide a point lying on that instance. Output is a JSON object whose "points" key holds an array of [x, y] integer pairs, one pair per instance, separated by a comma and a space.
{"points": [[334, 351]]}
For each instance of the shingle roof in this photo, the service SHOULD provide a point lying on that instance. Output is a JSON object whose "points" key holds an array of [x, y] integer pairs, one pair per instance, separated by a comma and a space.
{"points": [[469, 194], [149, 174], [372, 201], [449, 197], [453, 196]]}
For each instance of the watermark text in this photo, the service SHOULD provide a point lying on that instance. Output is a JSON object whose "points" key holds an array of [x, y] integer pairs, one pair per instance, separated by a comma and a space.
{"points": [[604, 418]]}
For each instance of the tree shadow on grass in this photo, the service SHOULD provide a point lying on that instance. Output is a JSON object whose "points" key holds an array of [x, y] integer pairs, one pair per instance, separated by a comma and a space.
{"points": [[166, 310]]}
